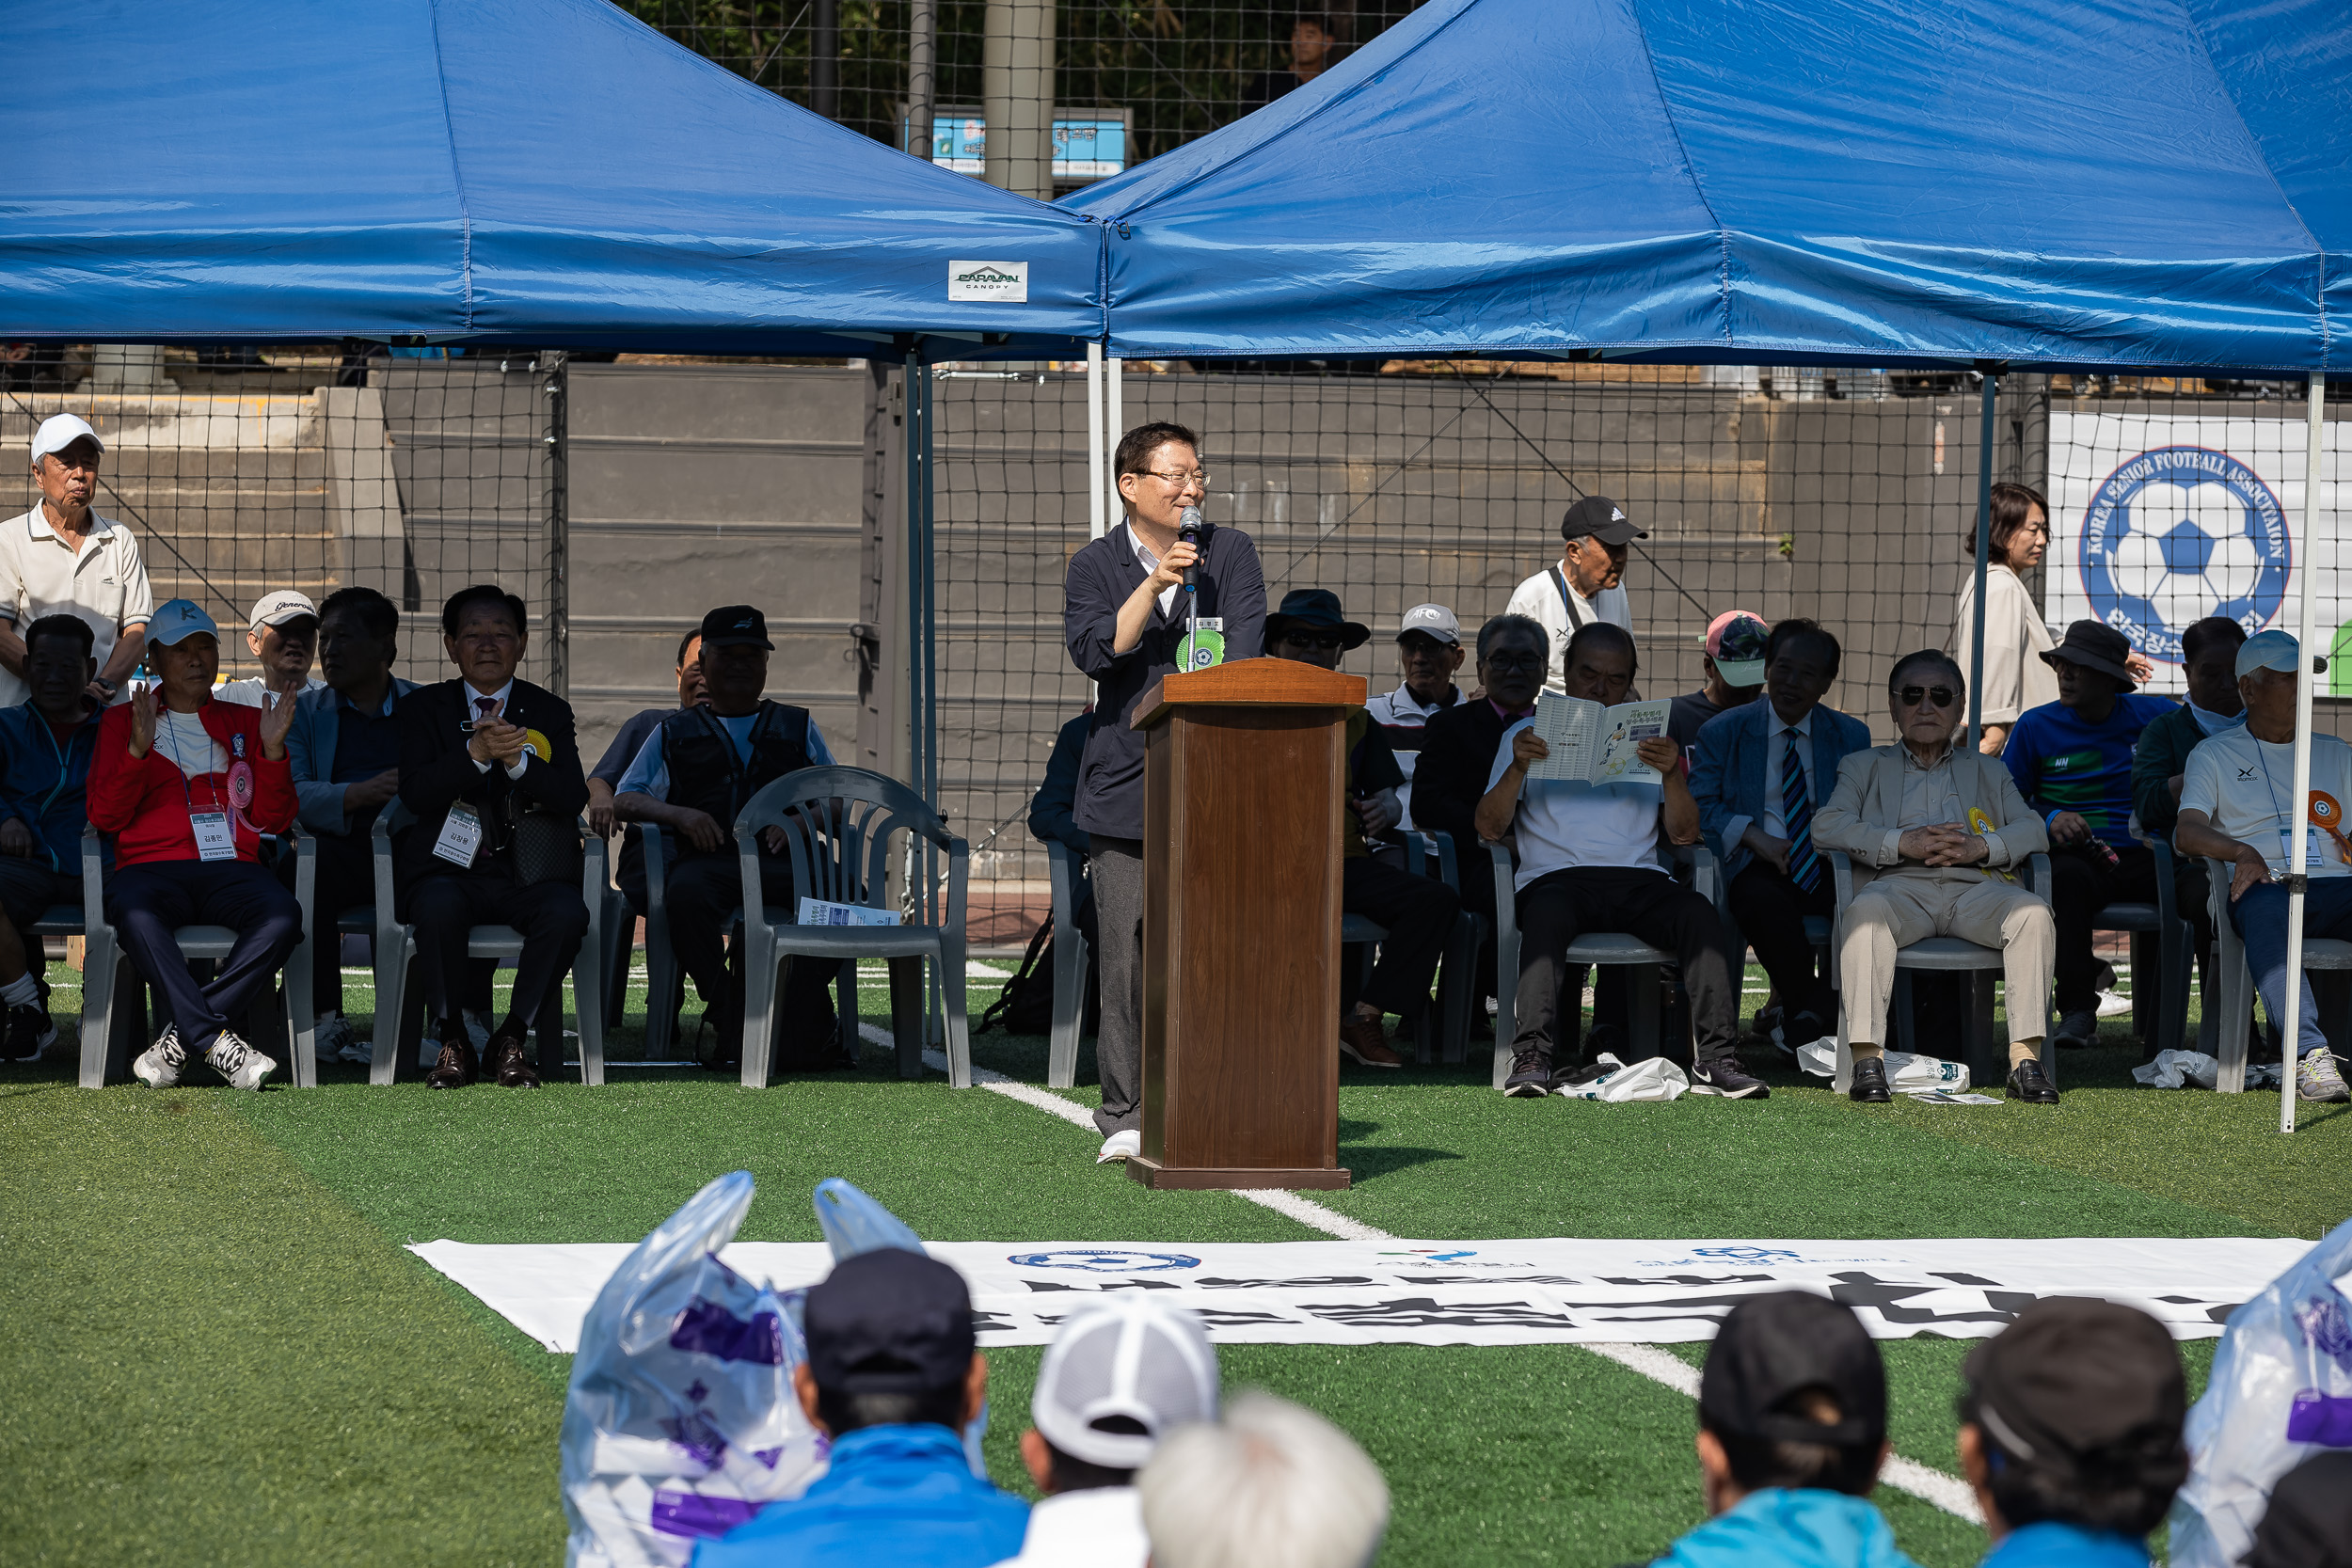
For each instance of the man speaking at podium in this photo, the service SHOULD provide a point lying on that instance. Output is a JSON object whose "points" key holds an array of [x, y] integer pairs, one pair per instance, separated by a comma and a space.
{"points": [[1132, 602]]}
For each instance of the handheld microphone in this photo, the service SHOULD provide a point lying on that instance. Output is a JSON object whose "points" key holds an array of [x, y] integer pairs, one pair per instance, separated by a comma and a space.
{"points": [[1188, 530]]}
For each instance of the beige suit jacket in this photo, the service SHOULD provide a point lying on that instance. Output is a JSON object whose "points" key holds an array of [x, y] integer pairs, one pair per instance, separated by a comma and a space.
{"points": [[1868, 802]]}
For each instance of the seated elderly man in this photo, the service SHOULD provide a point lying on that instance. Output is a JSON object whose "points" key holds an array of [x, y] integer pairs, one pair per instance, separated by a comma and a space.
{"points": [[187, 786], [1588, 862], [47, 745], [2237, 806], [345, 746], [1939, 825], [695, 776], [1416, 911]]}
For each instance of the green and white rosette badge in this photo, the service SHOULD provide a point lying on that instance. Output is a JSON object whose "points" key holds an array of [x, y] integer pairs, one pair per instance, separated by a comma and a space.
{"points": [[1203, 645]]}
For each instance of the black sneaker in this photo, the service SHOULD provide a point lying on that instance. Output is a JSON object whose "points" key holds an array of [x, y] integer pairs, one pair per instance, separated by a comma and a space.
{"points": [[2076, 1030], [1766, 1022], [1727, 1078], [1869, 1082], [2029, 1082], [1531, 1075], [30, 1033]]}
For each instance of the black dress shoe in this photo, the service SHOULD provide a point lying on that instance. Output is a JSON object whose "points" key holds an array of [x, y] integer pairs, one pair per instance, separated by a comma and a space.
{"points": [[2029, 1082], [1869, 1082], [454, 1068], [514, 1070]]}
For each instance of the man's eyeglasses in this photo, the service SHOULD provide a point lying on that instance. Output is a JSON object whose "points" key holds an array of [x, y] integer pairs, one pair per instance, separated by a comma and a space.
{"points": [[1942, 696], [1500, 660], [1198, 477], [1324, 643]]}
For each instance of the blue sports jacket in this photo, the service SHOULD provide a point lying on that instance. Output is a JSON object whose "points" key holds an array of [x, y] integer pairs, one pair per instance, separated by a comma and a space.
{"points": [[898, 1495], [1781, 1528], [2050, 1544], [45, 785], [1727, 780]]}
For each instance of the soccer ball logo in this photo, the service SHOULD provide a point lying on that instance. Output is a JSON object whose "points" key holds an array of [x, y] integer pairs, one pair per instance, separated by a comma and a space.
{"points": [[2177, 534]]}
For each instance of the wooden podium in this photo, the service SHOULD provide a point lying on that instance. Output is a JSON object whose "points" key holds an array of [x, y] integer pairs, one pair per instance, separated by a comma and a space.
{"points": [[1243, 768]]}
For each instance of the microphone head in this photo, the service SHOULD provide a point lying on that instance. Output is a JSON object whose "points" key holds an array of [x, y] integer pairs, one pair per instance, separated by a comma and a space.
{"points": [[1189, 524]]}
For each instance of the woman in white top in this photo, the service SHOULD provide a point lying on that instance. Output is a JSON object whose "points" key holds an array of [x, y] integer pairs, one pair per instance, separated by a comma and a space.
{"points": [[2016, 676]]}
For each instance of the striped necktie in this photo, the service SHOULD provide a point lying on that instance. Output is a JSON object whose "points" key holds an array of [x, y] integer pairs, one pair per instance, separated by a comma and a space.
{"points": [[1796, 815]]}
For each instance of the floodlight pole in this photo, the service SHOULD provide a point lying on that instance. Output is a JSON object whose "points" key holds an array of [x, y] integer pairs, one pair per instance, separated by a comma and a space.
{"points": [[2314, 665], [918, 567], [922, 75], [1990, 402], [557, 498]]}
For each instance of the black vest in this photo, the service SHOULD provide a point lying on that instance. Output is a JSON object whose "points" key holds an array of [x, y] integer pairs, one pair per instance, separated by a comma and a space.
{"points": [[706, 773]]}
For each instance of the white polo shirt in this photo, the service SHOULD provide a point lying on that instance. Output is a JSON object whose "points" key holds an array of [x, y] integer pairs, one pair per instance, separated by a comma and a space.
{"points": [[104, 583], [1541, 597], [1565, 825]]}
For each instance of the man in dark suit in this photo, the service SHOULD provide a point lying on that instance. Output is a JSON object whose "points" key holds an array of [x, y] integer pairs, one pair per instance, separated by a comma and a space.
{"points": [[1123, 616], [1763, 770], [476, 754]]}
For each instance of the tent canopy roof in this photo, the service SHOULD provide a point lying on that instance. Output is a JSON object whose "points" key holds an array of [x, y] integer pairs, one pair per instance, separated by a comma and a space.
{"points": [[2093, 185], [536, 172]]}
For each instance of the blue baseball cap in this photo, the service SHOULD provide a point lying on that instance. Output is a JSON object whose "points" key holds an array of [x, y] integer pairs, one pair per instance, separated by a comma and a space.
{"points": [[176, 619], [2269, 650]]}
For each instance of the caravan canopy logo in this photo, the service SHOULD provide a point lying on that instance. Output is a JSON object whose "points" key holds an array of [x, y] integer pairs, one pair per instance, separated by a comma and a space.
{"points": [[1006, 281], [2179, 533]]}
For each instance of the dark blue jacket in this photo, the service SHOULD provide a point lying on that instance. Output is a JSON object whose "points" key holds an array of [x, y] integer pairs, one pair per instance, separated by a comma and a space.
{"points": [[1727, 780], [899, 1495], [1101, 575], [46, 786], [1050, 816], [311, 742]]}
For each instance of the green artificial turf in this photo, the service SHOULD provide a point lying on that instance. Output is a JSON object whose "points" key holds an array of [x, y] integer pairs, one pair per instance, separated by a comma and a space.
{"points": [[221, 1353]]}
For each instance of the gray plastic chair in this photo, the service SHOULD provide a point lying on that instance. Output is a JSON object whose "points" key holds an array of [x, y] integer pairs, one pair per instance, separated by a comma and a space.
{"points": [[1436, 1026], [113, 1007], [840, 825], [1067, 867], [1949, 954], [666, 982], [2321, 954], [399, 1020], [1691, 863]]}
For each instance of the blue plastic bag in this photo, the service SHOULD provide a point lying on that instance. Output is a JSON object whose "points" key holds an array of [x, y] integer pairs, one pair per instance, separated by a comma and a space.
{"points": [[2281, 1391], [682, 1421]]}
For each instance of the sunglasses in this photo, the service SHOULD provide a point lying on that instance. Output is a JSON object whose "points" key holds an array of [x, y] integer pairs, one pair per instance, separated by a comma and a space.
{"points": [[1326, 642], [1514, 661], [1942, 696]]}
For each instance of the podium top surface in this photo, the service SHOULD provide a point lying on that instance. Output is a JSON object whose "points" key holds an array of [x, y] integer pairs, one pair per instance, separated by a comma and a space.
{"points": [[1248, 682]]}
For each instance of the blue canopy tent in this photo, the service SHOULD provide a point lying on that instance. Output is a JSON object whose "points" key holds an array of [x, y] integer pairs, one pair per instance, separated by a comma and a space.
{"points": [[538, 172], [1879, 182]]}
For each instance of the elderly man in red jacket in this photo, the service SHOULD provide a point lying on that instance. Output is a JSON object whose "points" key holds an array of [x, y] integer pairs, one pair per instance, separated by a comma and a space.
{"points": [[186, 787]]}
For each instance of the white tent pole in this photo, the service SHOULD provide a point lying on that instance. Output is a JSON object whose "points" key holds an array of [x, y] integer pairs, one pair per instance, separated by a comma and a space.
{"points": [[1115, 401], [1098, 498], [2306, 575]]}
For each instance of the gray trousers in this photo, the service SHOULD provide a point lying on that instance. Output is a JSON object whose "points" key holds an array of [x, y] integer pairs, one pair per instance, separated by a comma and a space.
{"points": [[1116, 865]]}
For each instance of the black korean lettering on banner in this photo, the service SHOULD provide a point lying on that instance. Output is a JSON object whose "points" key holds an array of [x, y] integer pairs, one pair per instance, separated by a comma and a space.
{"points": [[1425, 1313], [1312, 1282], [1699, 1279]]}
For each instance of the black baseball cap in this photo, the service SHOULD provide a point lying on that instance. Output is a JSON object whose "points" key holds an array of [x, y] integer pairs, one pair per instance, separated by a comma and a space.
{"points": [[1770, 1347], [2077, 1385], [889, 1322], [735, 626], [1602, 518]]}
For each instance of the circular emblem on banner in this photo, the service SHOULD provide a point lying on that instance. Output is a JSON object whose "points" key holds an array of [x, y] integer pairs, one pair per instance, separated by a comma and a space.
{"points": [[2177, 534], [1105, 1260]]}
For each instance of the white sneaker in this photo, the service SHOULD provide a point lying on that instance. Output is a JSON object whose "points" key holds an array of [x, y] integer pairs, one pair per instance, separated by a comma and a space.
{"points": [[478, 1030], [2316, 1078], [158, 1067], [244, 1067], [2112, 1006], [1121, 1146]]}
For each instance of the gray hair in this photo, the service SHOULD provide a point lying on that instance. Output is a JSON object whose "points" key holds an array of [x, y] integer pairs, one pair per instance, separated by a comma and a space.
{"points": [[1515, 626], [1272, 1485]]}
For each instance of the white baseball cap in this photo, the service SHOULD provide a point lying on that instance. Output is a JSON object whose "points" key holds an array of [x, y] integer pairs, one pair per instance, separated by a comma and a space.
{"points": [[1126, 1359], [60, 431], [276, 609], [1431, 619]]}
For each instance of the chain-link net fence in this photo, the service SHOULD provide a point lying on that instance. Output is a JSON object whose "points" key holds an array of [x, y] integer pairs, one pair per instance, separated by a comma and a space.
{"points": [[240, 473]]}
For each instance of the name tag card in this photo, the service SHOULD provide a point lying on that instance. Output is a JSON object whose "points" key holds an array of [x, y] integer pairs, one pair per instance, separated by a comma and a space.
{"points": [[461, 835], [2315, 855], [213, 839], [817, 912]]}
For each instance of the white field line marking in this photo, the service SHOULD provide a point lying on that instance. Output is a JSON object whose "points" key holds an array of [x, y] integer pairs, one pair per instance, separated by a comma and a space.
{"points": [[1946, 1492]]}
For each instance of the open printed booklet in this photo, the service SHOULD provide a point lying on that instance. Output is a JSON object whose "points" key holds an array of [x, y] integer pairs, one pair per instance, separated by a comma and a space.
{"points": [[1595, 745]]}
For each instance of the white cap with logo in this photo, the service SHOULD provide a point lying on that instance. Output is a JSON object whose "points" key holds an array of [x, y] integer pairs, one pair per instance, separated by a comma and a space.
{"points": [[60, 431], [276, 609], [1431, 619], [1120, 1375]]}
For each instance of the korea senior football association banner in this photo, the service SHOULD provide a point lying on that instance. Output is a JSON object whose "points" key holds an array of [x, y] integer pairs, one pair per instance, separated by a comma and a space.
{"points": [[2158, 522], [1507, 1293]]}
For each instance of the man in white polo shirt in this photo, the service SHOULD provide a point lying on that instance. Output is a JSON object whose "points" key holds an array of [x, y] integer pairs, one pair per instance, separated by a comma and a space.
{"points": [[283, 633], [2237, 805], [1586, 587], [63, 559]]}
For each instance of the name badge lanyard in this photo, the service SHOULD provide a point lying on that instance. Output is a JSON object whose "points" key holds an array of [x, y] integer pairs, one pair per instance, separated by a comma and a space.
{"points": [[2322, 815], [1576, 619], [240, 789]]}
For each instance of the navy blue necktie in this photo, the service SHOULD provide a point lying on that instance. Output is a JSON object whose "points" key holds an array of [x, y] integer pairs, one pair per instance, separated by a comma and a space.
{"points": [[1796, 815]]}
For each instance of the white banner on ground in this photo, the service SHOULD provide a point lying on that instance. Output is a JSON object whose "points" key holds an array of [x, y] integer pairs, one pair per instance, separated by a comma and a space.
{"points": [[1522, 1293], [2157, 522]]}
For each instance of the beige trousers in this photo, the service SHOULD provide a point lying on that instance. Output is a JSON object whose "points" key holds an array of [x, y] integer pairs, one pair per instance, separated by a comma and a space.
{"points": [[1896, 909]]}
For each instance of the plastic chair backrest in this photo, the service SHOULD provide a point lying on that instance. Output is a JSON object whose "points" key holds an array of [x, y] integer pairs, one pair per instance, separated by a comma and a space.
{"points": [[838, 824]]}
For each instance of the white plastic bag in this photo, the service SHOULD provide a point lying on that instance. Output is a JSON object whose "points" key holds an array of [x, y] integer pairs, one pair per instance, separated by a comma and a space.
{"points": [[2176, 1070], [1653, 1079], [2280, 1392], [1906, 1072], [682, 1421]]}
